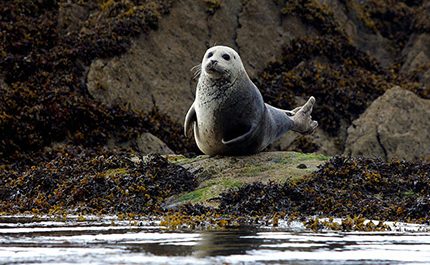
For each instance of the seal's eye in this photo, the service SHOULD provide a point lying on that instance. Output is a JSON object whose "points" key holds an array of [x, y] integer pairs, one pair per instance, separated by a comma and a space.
{"points": [[210, 54], [226, 56]]}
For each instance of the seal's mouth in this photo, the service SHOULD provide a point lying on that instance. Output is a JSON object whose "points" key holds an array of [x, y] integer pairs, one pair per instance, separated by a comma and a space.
{"points": [[212, 67]]}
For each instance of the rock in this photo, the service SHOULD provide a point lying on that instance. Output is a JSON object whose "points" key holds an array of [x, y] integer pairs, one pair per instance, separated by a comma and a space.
{"points": [[219, 174], [347, 14], [319, 141], [156, 69], [262, 32], [148, 143], [157, 66], [395, 126], [417, 57], [72, 15]]}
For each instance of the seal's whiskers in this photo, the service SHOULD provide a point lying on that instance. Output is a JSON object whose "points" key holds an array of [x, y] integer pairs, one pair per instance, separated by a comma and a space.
{"points": [[197, 69]]}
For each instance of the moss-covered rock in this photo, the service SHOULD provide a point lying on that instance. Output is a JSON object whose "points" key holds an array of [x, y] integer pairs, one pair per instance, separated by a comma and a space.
{"points": [[219, 174]]}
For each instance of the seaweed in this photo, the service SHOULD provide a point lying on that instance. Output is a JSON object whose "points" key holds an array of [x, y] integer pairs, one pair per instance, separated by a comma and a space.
{"points": [[371, 188], [392, 19], [45, 98], [88, 181], [313, 13], [330, 69], [343, 78]]}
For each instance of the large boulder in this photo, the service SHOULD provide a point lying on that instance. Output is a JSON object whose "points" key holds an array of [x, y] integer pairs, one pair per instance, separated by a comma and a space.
{"points": [[395, 126]]}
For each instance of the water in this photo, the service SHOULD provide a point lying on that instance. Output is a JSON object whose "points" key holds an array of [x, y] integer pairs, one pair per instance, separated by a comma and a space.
{"points": [[110, 241]]}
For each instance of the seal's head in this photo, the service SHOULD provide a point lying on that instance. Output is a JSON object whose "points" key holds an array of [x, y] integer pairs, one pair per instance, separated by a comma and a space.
{"points": [[221, 62]]}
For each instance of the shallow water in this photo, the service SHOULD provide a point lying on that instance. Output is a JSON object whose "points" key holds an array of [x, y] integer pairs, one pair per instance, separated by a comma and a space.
{"points": [[109, 241]]}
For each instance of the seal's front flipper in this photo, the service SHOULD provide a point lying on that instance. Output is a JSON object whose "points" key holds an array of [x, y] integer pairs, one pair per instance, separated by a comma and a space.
{"points": [[189, 119], [241, 138]]}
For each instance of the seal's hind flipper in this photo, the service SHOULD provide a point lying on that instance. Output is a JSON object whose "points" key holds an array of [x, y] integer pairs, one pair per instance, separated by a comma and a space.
{"points": [[241, 138], [189, 119]]}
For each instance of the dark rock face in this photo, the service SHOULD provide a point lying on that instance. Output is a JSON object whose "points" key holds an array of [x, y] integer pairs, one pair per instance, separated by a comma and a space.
{"points": [[395, 126]]}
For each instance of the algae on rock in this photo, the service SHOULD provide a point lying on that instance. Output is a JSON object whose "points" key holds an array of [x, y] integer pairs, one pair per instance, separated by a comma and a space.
{"points": [[219, 174]]}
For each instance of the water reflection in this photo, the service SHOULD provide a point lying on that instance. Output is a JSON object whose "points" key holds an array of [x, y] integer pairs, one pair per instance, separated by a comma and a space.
{"points": [[224, 243], [101, 242]]}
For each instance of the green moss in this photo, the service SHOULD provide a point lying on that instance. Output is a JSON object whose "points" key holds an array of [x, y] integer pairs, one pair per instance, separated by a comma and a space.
{"points": [[219, 174], [114, 172], [198, 195], [209, 189], [182, 160], [306, 157], [409, 193], [253, 170]]}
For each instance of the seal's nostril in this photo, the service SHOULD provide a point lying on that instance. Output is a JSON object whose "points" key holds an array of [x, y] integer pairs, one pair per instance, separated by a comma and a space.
{"points": [[214, 62]]}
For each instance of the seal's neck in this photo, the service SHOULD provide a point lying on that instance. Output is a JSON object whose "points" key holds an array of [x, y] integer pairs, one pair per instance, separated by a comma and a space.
{"points": [[216, 82]]}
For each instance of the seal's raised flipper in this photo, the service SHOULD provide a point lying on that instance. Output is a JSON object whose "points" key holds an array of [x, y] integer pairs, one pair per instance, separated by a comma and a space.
{"points": [[303, 122], [189, 119], [240, 139], [289, 112]]}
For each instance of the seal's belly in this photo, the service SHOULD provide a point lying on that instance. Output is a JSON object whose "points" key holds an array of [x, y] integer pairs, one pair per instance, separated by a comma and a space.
{"points": [[215, 123]]}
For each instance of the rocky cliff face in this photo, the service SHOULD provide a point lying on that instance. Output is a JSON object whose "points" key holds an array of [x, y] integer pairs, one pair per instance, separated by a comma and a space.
{"points": [[344, 52], [102, 73], [157, 67]]}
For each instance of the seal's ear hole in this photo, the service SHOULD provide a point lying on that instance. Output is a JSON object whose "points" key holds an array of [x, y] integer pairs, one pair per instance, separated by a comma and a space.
{"points": [[234, 57], [226, 56], [210, 54]]}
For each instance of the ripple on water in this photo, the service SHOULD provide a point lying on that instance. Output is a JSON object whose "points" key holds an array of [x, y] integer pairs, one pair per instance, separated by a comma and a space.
{"points": [[110, 241]]}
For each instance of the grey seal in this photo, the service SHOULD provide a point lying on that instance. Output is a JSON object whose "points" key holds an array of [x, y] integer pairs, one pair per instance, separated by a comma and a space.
{"points": [[229, 116]]}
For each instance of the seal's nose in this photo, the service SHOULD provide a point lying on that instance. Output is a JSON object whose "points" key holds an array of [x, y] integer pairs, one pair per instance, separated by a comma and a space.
{"points": [[214, 62]]}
